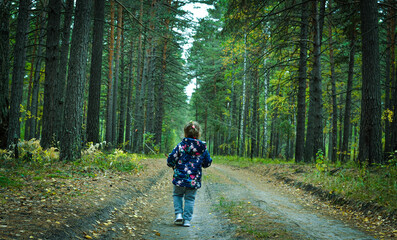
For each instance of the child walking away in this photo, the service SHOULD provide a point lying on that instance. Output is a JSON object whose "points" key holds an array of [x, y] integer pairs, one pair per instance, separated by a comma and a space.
{"points": [[187, 160]]}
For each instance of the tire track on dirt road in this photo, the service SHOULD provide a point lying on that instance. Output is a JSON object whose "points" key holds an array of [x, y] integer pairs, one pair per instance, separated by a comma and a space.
{"points": [[301, 221], [284, 207]]}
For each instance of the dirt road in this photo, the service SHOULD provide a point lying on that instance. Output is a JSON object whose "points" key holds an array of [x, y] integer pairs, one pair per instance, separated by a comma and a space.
{"points": [[301, 219]]}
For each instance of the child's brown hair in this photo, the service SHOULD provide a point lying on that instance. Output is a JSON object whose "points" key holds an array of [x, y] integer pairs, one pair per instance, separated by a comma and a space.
{"points": [[192, 130]]}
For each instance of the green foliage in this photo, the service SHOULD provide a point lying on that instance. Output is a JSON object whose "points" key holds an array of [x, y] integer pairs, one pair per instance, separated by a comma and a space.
{"points": [[149, 142], [370, 184], [247, 162], [321, 161], [33, 152], [38, 164], [93, 158]]}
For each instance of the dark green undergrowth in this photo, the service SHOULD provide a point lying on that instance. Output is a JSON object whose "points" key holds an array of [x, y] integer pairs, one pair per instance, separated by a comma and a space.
{"points": [[35, 163], [374, 184], [248, 162]]}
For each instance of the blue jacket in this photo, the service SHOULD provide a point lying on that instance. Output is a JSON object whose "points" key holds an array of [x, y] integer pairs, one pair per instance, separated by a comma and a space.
{"points": [[187, 160]]}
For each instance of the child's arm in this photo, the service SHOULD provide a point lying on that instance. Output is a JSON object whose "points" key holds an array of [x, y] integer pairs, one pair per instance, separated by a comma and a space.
{"points": [[207, 160], [173, 157]]}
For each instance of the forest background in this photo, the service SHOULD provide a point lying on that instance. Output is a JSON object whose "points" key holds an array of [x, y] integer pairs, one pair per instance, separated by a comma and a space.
{"points": [[284, 79]]}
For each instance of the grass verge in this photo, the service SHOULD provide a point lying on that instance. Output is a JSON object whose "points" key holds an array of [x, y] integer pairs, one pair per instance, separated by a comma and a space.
{"points": [[253, 222]]}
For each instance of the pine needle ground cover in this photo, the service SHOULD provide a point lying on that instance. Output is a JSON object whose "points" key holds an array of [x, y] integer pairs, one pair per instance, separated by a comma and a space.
{"points": [[37, 191]]}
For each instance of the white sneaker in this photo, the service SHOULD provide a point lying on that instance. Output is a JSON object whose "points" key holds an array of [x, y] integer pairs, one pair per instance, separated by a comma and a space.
{"points": [[186, 223], [178, 218]]}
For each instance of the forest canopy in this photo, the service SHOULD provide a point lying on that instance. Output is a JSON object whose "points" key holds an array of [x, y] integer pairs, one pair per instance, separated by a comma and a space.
{"points": [[290, 79]]}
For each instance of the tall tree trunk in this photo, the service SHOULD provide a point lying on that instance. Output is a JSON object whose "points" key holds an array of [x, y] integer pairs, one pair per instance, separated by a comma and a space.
{"points": [[129, 101], [231, 117], [94, 95], [340, 129], [4, 70], [242, 123], [393, 93], [150, 70], [255, 97], [52, 53], [33, 61], [370, 143], [160, 93], [109, 106], [301, 108], [348, 103], [63, 64], [150, 108], [73, 119], [334, 129], [123, 86], [314, 135], [116, 74], [390, 75], [265, 120], [32, 122], [139, 112], [18, 71], [137, 142]]}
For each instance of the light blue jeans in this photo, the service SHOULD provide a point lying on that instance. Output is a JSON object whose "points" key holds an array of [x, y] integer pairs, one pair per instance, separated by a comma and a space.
{"points": [[189, 194]]}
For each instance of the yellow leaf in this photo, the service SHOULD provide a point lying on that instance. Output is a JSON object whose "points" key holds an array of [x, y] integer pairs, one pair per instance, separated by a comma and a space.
{"points": [[88, 237], [158, 234]]}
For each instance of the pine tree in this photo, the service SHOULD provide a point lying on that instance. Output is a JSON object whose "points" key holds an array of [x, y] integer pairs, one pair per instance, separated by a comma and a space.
{"points": [[73, 117]]}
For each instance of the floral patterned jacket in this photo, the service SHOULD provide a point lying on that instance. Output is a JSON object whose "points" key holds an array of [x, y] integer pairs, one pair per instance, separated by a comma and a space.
{"points": [[187, 160]]}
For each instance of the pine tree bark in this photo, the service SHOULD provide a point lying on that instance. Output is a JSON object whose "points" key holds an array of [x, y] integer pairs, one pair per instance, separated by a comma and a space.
{"points": [[150, 103], [63, 64], [390, 75], [137, 140], [150, 106], [122, 94], [31, 74], [370, 143], [4, 70], [94, 95], [242, 122], [129, 101], [109, 106], [334, 130], [73, 117], [48, 137], [346, 123], [301, 99], [255, 107], [314, 135], [18, 71], [116, 75], [32, 122], [160, 92]]}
